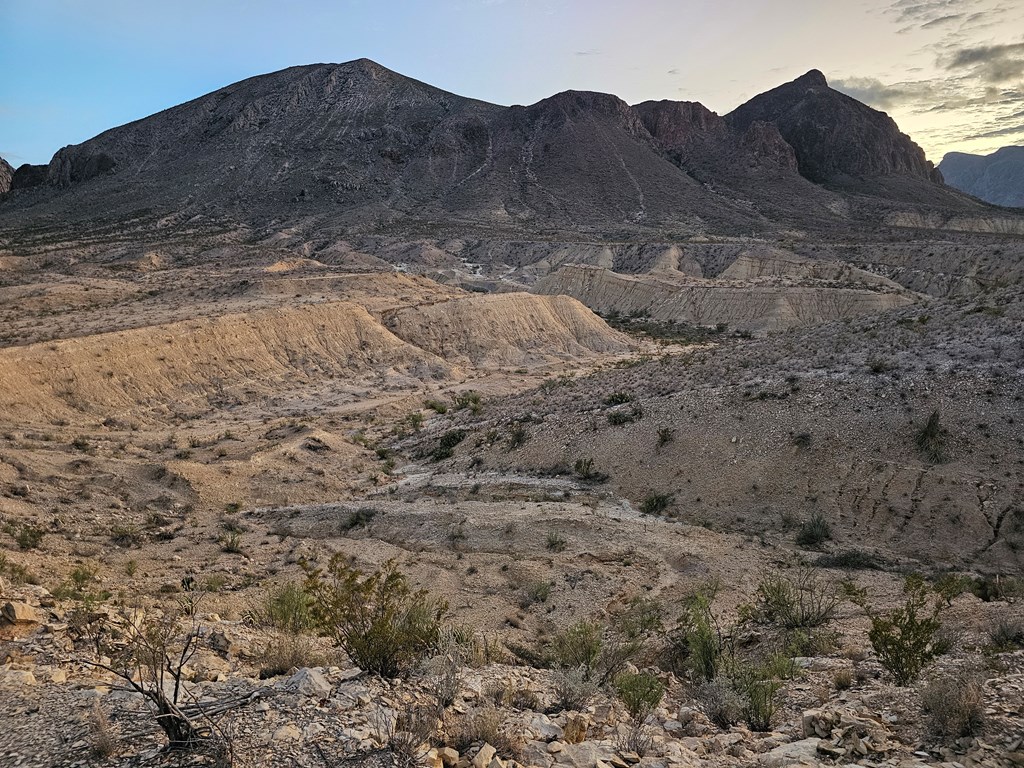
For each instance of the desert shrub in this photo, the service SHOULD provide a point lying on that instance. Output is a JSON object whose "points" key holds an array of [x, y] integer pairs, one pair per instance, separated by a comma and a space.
{"points": [[1006, 634], [930, 440], [954, 705], [483, 726], [287, 607], [126, 535], [16, 573], [814, 531], [722, 705], [665, 436], [799, 602], [444, 668], [26, 536], [446, 445], [758, 690], [378, 619], [231, 543], [468, 399], [842, 679], [952, 585], [696, 641], [535, 592], [285, 651], [360, 518], [517, 437], [619, 417], [996, 588], [436, 405], [579, 646], [603, 650], [640, 693], [904, 637], [556, 542], [618, 398], [103, 742], [656, 503], [584, 468], [574, 689]]}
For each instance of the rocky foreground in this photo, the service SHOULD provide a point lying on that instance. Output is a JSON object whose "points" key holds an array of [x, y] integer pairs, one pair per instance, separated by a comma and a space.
{"points": [[59, 709]]}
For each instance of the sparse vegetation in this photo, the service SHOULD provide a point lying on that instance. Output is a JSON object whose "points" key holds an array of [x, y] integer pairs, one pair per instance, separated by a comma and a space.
{"points": [[814, 531], [383, 624], [954, 705], [931, 440], [656, 503]]}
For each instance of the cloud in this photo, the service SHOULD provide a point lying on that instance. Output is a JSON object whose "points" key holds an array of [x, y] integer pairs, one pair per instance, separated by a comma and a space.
{"points": [[1008, 131], [989, 63], [874, 92], [942, 20], [673, 71], [588, 52]]}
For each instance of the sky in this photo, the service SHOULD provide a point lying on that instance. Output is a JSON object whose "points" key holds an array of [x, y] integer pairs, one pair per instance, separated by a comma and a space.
{"points": [[951, 72]]}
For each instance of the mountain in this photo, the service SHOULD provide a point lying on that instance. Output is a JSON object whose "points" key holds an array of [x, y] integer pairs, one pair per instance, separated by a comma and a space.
{"points": [[997, 178], [343, 149], [6, 172], [835, 137]]}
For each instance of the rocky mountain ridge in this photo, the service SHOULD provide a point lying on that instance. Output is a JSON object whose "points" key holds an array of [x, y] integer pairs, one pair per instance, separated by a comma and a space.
{"points": [[356, 147], [996, 178]]}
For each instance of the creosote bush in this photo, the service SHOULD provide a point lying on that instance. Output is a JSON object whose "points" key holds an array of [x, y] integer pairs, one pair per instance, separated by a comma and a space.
{"points": [[384, 625], [905, 638], [640, 693]]}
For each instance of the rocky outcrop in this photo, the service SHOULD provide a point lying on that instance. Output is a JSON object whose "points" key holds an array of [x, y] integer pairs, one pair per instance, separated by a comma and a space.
{"points": [[997, 178], [6, 172], [28, 176], [834, 135]]}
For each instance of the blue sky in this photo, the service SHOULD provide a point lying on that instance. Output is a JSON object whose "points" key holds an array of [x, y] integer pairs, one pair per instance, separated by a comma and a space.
{"points": [[950, 71]]}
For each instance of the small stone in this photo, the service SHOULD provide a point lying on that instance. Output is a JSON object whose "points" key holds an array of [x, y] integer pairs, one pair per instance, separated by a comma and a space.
{"points": [[449, 756], [576, 729], [309, 682], [484, 756], [287, 732], [555, 747], [19, 677]]}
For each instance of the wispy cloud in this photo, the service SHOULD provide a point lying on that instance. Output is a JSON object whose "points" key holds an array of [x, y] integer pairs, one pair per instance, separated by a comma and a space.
{"points": [[989, 63]]}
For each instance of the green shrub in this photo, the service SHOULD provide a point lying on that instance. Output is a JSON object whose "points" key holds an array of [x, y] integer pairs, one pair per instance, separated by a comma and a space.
{"points": [[1006, 634], [814, 531], [656, 503], [996, 588], [517, 437], [640, 693], [537, 592], [665, 436], [556, 542], [436, 405], [618, 398], [468, 399], [360, 518], [618, 418], [696, 642], [904, 637], [446, 445], [287, 607], [852, 560], [378, 619], [579, 646], [952, 585], [27, 536], [931, 440]]}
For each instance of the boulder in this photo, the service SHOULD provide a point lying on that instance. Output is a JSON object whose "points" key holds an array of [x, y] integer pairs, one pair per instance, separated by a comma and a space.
{"points": [[796, 753], [309, 682], [20, 613]]}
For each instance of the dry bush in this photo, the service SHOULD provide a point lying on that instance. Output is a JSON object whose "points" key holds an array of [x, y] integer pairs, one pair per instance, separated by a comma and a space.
{"points": [[954, 705], [573, 689], [483, 725], [285, 651], [104, 743]]}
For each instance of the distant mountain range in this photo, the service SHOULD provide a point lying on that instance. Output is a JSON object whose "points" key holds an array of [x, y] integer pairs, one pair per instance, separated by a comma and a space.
{"points": [[997, 178], [341, 149]]}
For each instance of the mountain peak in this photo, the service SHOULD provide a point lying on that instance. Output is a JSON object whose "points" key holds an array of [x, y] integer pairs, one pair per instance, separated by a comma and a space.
{"points": [[813, 79]]}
